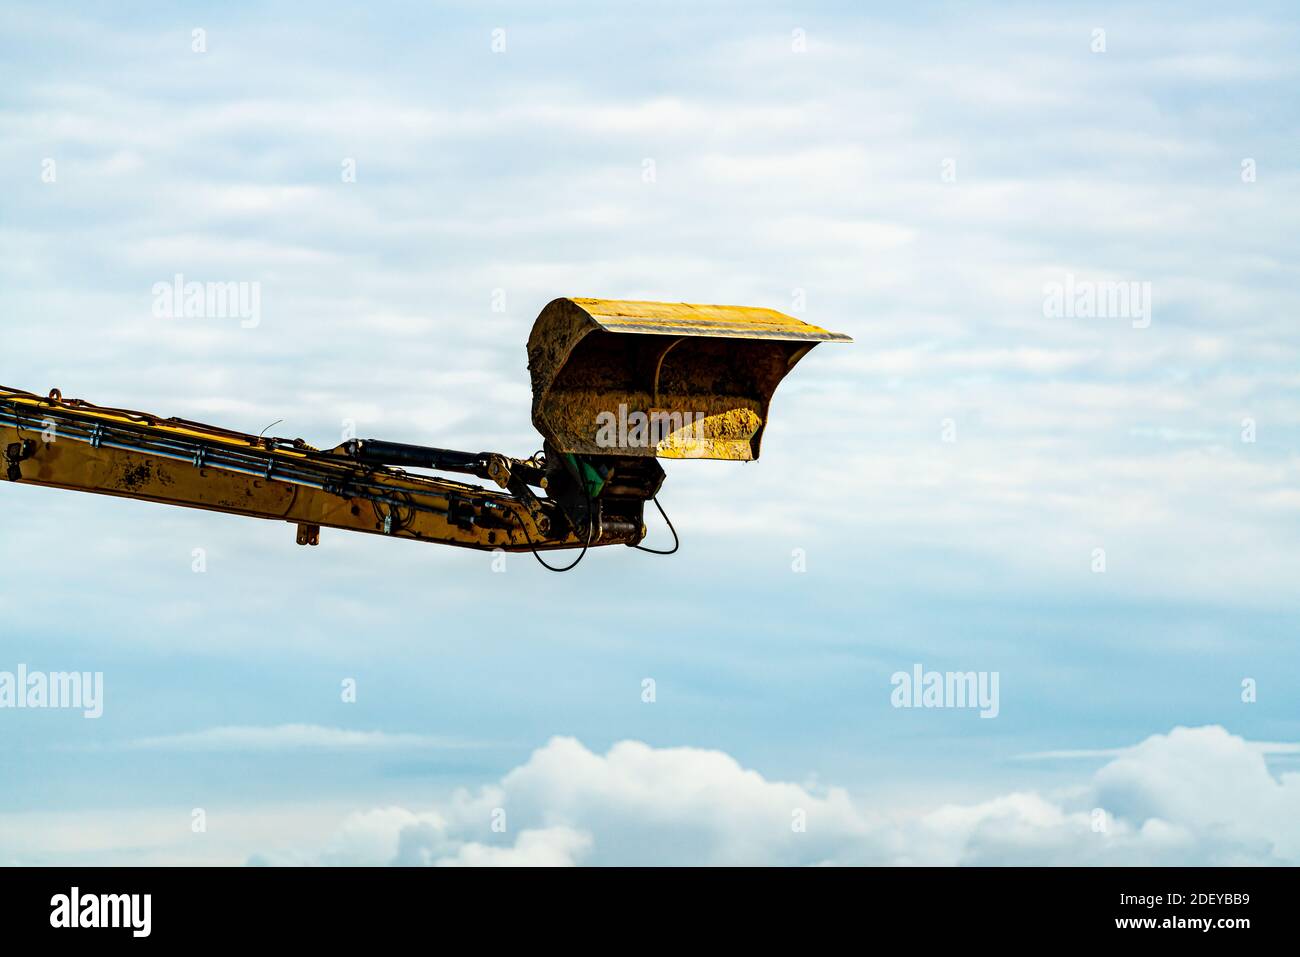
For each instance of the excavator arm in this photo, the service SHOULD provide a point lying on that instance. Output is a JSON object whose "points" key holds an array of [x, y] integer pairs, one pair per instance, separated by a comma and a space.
{"points": [[616, 385]]}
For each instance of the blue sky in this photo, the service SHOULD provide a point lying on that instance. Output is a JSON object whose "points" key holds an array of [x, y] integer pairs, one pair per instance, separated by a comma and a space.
{"points": [[818, 181]]}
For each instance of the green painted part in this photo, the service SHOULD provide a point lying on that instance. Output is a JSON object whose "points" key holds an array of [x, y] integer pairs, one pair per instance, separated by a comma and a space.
{"points": [[592, 477]]}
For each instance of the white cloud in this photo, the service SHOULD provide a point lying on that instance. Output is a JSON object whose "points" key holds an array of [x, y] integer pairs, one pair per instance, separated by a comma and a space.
{"points": [[289, 737], [1193, 796], [1259, 747], [548, 847]]}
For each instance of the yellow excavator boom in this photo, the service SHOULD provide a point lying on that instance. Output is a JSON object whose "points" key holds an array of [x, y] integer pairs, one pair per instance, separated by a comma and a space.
{"points": [[616, 385]]}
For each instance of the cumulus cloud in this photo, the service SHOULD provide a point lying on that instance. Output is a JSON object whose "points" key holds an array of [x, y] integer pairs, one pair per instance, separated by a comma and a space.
{"points": [[1192, 796]]}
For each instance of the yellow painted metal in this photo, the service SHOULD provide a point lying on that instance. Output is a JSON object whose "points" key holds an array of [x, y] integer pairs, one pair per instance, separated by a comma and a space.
{"points": [[60, 461], [672, 380]]}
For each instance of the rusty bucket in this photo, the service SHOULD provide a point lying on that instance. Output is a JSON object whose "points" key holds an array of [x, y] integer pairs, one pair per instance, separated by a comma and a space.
{"points": [[670, 380]]}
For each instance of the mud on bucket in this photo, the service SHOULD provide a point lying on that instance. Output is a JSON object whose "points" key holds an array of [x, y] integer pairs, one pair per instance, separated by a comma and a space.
{"points": [[671, 380]]}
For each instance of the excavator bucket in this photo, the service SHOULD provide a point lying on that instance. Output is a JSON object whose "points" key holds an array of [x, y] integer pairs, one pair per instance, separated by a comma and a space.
{"points": [[671, 380]]}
